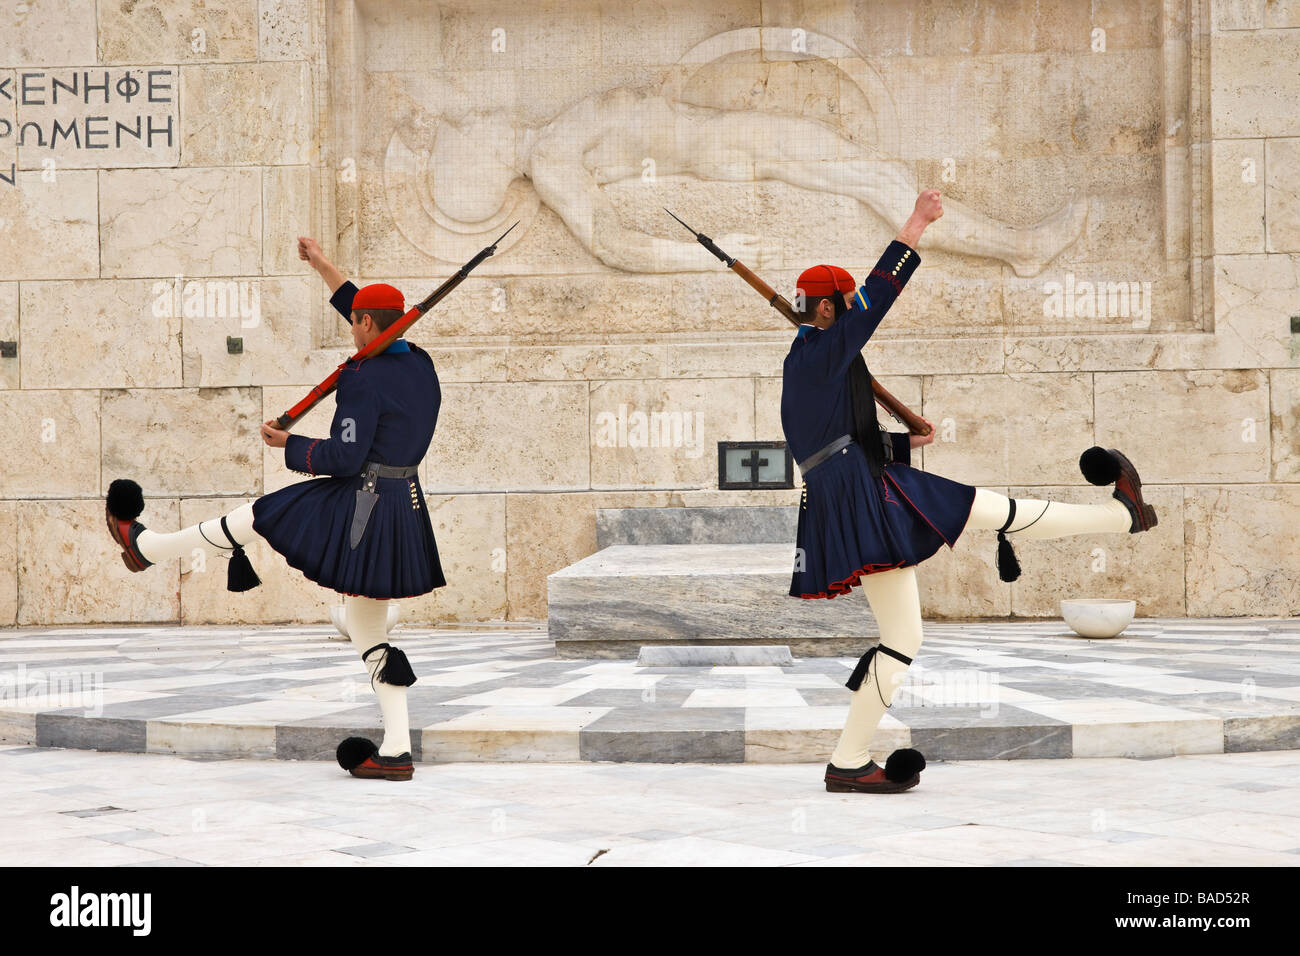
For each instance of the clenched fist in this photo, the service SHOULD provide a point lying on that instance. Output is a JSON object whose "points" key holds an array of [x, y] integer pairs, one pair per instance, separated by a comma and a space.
{"points": [[928, 205]]}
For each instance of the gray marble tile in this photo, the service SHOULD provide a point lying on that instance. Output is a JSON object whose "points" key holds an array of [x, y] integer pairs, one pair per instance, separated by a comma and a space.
{"points": [[374, 849], [699, 735], [629, 698], [733, 525], [155, 707], [993, 742], [1261, 678], [78, 733], [1280, 732], [826, 696], [96, 811]]}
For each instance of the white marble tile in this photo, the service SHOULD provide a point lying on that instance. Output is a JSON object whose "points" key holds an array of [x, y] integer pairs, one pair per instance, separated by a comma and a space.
{"points": [[1243, 828], [459, 678], [985, 845], [1170, 851], [745, 697], [84, 851], [260, 711], [798, 718], [519, 696], [505, 717], [239, 845]]}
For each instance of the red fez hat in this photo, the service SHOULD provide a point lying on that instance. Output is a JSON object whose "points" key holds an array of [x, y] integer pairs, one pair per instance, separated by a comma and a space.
{"points": [[377, 296], [824, 280]]}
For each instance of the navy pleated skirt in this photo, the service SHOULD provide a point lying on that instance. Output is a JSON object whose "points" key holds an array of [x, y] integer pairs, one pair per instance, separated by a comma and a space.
{"points": [[310, 523], [851, 524]]}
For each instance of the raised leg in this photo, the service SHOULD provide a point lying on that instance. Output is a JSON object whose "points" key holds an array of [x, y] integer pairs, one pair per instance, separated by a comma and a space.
{"points": [[205, 536], [1036, 519]]}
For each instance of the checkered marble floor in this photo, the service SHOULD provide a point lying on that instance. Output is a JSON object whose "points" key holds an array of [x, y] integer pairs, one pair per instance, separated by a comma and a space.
{"points": [[498, 693]]}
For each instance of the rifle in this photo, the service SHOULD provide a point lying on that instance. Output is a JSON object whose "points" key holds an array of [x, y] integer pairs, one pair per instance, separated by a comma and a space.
{"points": [[389, 335], [901, 412]]}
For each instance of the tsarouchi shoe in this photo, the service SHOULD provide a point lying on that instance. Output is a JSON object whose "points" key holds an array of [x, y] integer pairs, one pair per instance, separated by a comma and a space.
{"points": [[361, 758], [902, 771], [122, 506], [379, 767], [1102, 466], [125, 533]]}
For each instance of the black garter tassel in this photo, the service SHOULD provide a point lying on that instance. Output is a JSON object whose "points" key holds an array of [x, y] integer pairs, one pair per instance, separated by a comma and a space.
{"points": [[396, 669], [1008, 566], [864, 662], [240, 576], [859, 672]]}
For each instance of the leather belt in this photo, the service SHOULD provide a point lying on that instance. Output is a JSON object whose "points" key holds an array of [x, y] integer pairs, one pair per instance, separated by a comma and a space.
{"points": [[819, 456], [390, 471], [371, 472]]}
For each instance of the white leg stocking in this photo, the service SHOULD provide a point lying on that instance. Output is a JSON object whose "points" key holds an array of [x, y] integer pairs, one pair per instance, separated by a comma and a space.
{"points": [[896, 604], [204, 536], [1058, 519], [366, 620]]}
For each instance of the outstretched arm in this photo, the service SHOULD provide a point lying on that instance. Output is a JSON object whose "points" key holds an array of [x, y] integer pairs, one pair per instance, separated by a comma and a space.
{"points": [[928, 208], [341, 289], [309, 251], [867, 307]]}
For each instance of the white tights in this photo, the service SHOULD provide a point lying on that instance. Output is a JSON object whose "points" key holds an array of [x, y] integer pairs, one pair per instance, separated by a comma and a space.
{"points": [[896, 604], [205, 536], [366, 620]]}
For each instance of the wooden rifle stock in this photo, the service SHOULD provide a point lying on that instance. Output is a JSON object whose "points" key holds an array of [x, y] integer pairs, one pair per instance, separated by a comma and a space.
{"points": [[915, 425]]}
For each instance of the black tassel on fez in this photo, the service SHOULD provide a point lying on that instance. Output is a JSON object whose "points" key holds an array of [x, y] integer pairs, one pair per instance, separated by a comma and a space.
{"points": [[396, 669], [240, 576]]}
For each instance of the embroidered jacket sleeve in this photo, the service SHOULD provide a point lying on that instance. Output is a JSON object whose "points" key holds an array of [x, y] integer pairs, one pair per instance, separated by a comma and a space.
{"points": [[351, 433], [342, 299], [837, 346]]}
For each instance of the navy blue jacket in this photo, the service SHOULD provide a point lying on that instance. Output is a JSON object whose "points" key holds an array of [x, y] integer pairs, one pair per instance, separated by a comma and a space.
{"points": [[387, 410], [816, 403]]}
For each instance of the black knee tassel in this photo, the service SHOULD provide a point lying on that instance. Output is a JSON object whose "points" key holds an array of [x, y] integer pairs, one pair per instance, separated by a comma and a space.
{"points": [[1008, 566], [395, 669], [864, 662], [240, 576]]}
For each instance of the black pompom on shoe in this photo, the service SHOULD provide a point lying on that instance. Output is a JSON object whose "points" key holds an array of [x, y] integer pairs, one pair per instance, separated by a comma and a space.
{"points": [[1099, 466], [125, 499], [903, 765], [354, 751]]}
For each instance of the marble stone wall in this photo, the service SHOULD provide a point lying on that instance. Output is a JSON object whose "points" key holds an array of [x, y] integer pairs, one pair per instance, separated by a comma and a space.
{"points": [[1119, 265]]}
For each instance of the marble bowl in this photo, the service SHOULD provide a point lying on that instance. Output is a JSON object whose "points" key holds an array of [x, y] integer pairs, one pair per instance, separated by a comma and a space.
{"points": [[1098, 617], [336, 616]]}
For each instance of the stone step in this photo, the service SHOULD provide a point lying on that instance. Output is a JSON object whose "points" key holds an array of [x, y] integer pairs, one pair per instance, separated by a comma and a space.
{"points": [[750, 524], [623, 597]]}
